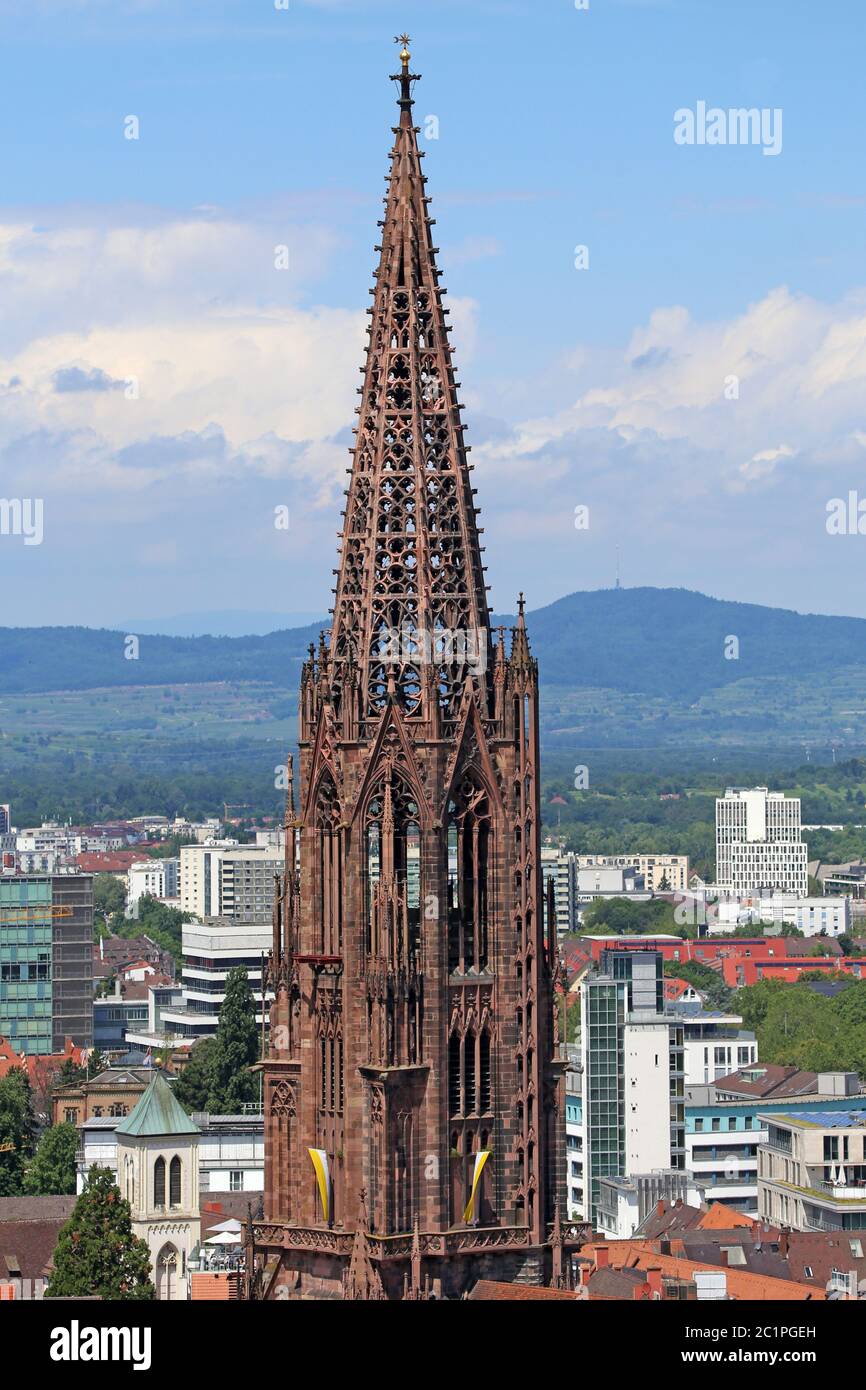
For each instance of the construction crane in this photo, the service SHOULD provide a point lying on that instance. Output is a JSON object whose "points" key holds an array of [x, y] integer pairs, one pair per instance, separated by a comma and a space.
{"points": [[241, 806], [14, 914]]}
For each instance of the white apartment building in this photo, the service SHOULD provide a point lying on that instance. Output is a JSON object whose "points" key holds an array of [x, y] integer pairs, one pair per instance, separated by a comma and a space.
{"points": [[200, 831], [210, 950], [155, 878], [812, 1170], [625, 1203], [714, 1045], [561, 867], [64, 841], [631, 1116], [758, 844], [829, 915], [225, 879], [661, 873]]}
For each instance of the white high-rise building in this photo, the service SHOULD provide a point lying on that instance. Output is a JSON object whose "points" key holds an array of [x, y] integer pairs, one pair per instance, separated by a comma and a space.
{"points": [[211, 949], [758, 843], [229, 880]]}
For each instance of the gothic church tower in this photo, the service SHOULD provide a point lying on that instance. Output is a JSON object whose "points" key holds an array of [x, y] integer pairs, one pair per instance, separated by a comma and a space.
{"points": [[413, 1100]]}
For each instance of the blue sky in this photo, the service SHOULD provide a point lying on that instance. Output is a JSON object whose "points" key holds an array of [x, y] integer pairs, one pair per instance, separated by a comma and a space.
{"points": [[152, 261]]}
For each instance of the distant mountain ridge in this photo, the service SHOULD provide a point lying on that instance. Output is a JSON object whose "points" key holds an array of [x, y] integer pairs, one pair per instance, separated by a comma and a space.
{"points": [[668, 643]]}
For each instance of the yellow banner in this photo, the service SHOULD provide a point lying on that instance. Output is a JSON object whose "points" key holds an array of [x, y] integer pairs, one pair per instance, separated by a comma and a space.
{"points": [[323, 1178], [480, 1159]]}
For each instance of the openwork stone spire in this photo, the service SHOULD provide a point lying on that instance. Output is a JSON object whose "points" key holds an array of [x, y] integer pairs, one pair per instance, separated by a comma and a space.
{"points": [[412, 1044], [410, 596]]}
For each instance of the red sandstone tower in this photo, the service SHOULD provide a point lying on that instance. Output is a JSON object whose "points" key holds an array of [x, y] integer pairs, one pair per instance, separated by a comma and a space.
{"points": [[413, 1100]]}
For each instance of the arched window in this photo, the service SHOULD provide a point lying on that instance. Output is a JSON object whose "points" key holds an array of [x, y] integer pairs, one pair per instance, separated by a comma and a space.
{"points": [[454, 1105], [159, 1183], [484, 1083], [469, 1074], [330, 868], [174, 1182], [392, 846], [468, 856], [166, 1273]]}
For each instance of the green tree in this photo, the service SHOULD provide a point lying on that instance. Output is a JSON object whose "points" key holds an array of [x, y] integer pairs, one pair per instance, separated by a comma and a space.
{"points": [[236, 1048], [95, 1063], [193, 1086], [702, 978], [97, 1251], [109, 895], [52, 1170], [70, 1073], [17, 1128], [796, 1026], [620, 916], [161, 923]]}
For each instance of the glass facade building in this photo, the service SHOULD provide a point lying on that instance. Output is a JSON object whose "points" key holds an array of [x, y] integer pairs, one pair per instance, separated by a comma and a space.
{"points": [[46, 961], [26, 948]]}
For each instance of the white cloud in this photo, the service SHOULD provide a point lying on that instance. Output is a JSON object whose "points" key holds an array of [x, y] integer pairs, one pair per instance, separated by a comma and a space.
{"points": [[245, 392], [798, 368], [115, 336]]}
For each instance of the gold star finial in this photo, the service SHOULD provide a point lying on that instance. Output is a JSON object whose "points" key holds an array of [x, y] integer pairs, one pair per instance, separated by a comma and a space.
{"points": [[405, 55]]}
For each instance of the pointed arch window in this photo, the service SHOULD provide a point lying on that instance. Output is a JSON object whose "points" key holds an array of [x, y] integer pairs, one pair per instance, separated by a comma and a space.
{"points": [[470, 1080], [469, 849], [470, 1074], [454, 1084], [392, 861], [159, 1183], [174, 1182], [484, 1075], [329, 868]]}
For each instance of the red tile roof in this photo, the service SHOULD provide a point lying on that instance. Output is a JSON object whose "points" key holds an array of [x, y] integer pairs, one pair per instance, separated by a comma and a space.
{"points": [[775, 1081], [112, 862], [492, 1291], [40, 1069], [744, 1284]]}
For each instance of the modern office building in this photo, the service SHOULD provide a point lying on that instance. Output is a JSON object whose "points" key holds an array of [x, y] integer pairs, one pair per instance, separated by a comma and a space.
{"points": [[229, 880], [714, 1044], [726, 1122], [113, 1018], [758, 844], [46, 961], [812, 1169], [848, 879], [210, 950], [632, 1064]]}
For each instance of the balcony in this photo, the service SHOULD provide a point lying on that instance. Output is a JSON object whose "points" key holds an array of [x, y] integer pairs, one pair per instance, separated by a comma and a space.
{"points": [[842, 1192], [743, 1153]]}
